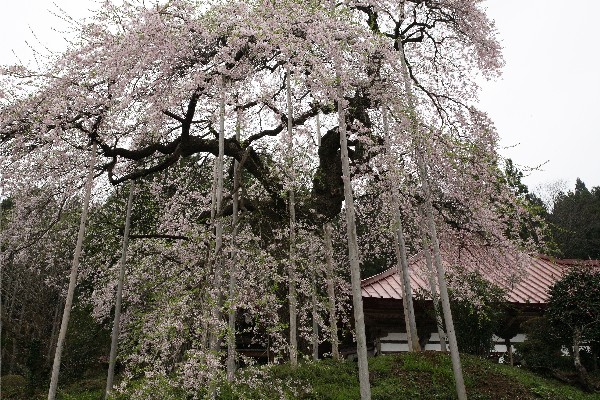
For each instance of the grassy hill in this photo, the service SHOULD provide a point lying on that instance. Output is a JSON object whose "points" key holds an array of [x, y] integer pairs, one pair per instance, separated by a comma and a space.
{"points": [[425, 375]]}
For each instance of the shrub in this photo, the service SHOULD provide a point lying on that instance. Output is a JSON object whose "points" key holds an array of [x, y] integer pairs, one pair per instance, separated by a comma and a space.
{"points": [[541, 350], [14, 387], [477, 311], [574, 308], [86, 344]]}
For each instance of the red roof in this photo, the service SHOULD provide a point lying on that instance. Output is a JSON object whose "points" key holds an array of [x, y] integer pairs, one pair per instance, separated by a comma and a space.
{"points": [[526, 278]]}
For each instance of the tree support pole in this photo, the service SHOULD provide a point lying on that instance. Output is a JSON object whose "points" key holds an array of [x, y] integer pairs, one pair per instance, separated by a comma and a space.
{"points": [[1, 276], [359, 317], [315, 310], [400, 250], [218, 266], [231, 349], [116, 323], [73, 277], [331, 291], [431, 275], [422, 171], [441, 274], [292, 296]]}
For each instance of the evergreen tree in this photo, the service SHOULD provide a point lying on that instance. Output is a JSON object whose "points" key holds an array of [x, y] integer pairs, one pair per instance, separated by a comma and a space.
{"points": [[575, 222]]}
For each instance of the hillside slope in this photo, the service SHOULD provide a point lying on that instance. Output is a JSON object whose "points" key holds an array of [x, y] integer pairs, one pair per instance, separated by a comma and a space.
{"points": [[426, 375]]}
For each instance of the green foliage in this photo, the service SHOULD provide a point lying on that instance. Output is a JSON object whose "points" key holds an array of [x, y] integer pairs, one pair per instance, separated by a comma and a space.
{"points": [[158, 387], [425, 375], [575, 222], [93, 395], [373, 218], [406, 376], [531, 221], [574, 306], [478, 313], [542, 348], [86, 389], [575, 303], [86, 344], [285, 382], [14, 387]]}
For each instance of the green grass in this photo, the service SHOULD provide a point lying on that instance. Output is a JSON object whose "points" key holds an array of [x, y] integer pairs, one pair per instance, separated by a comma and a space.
{"points": [[426, 375], [545, 388], [414, 376], [83, 389]]}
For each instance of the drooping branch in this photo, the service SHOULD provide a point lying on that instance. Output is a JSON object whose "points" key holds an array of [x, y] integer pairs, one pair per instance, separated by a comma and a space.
{"points": [[158, 236], [327, 193], [299, 120]]}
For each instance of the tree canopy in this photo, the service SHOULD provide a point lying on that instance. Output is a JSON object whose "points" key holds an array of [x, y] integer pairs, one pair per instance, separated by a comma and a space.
{"points": [[143, 83], [575, 221], [574, 311]]}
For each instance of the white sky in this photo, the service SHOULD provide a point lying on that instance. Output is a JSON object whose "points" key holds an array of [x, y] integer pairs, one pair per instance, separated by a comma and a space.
{"points": [[543, 106], [546, 102]]}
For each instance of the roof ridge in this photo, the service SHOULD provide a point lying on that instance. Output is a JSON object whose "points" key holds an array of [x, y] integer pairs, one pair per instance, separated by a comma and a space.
{"points": [[379, 276], [569, 261]]}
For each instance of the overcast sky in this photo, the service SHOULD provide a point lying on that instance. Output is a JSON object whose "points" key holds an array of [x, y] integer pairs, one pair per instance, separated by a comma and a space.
{"points": [[546, 103], [544, 106]]}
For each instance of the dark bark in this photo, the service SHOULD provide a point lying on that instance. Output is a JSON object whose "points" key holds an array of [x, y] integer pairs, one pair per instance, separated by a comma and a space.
{"points": [[325, 199]]}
